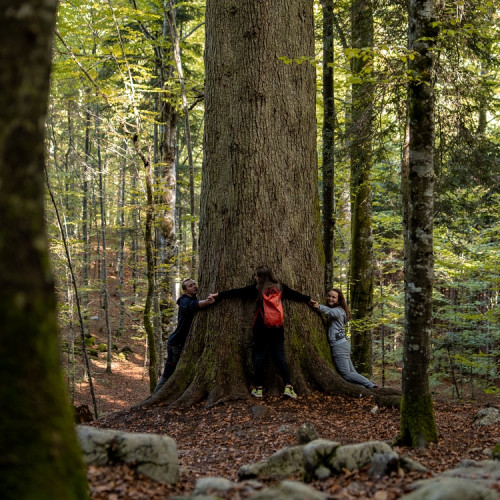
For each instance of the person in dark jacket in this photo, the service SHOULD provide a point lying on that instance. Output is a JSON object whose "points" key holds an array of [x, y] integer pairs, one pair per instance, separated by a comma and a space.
{"points": [[266, 340], [337, 314], [189, 305]]}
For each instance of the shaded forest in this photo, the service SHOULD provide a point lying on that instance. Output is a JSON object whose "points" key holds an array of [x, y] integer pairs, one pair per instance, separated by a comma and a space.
{"points": [[347, 144]]}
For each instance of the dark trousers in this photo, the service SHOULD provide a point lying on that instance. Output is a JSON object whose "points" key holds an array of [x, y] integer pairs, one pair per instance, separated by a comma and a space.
{"points": [[173, 355], [269, 341]]}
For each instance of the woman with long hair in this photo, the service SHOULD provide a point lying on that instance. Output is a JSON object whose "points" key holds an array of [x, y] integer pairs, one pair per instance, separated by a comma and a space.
{"points": [[338, 314], [267, 328]]}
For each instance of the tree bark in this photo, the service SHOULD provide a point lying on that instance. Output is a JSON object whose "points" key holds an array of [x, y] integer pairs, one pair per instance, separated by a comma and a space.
{"points": [[259, 200], [36, 429], [104, 262], [150, 261], [361, 267], [328, 144], [418, 426], [85, 224]]}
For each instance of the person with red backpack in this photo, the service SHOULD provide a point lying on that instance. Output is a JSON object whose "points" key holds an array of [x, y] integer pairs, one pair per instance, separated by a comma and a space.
{"points": [[267, 327]]}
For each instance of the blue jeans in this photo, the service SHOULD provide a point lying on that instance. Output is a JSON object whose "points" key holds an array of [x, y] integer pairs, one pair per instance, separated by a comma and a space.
{"points": [[341, 355]]}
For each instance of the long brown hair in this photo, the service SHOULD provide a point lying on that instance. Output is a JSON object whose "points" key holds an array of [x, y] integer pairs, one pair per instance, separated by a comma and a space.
{"points": [[265, 279], [342, 302]]}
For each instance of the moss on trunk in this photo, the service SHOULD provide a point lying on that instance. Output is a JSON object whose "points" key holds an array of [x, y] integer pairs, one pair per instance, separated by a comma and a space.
{"points": [[418, 426], [360, 130], [40, 458]]}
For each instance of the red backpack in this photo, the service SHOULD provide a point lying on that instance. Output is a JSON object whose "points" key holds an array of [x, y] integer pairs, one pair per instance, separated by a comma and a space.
{"points": [[273, 308]]}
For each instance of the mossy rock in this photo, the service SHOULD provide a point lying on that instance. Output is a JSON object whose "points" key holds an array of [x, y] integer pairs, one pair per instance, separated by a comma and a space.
{"points": [[495, 452]]}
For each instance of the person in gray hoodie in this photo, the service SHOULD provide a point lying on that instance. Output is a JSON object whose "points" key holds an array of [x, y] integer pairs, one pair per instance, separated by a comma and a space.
{"points": [[338, 314]]}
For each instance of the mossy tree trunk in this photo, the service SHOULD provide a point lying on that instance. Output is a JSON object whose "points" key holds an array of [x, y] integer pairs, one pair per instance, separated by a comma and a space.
{"points": [[40, 458], [259, 202], [361, 130], [328, 169], [418, 426], [150, 267]]}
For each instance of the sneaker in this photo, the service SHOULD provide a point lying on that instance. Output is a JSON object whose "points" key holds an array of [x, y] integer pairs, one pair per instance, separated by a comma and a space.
{"points": [[290, 392], [257, 392]]}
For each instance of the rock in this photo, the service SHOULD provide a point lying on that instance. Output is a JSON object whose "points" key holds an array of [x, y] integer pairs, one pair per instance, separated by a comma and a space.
{"points": [[471, 480], [322, 455], [289, 490], [409, 464], [151, 454], [357, 456], [495, 452], [318, 455], [383, 464], [306, 433], [206, 484], [487, 416], [486, 471], [259, 411], [319, 459], [446, 488], [283, 463]]}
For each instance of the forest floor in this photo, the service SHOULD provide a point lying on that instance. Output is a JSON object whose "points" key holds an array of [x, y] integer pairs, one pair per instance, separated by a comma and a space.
{"points": [[216, 441]]}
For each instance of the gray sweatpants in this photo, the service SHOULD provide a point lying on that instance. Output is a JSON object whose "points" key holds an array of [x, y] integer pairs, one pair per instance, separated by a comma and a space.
{"points": [[341, 355]]}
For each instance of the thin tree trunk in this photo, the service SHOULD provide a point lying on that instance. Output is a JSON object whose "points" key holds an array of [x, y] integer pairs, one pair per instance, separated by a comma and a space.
{"points": [[85, 219], [121, 248], [328, 144], [134, 244], [167, 228], [361, 130], [148, 241], [104, 271], [77, 299], [418, 426], [171, 16]]}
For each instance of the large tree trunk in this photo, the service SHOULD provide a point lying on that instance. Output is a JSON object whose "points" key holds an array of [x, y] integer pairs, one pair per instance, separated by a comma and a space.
{"points": [[259, 202], [418, 427], [361, 268], [40, 457]]}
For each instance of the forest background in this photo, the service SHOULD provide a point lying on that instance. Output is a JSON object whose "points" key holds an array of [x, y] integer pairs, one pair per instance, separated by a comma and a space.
{"points": [[124, 148]]}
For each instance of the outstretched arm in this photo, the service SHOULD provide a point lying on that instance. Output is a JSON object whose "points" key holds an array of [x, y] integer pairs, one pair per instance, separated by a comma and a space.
{"points": [[247, 292], [314, 304], [289, 293], [206, 302]]}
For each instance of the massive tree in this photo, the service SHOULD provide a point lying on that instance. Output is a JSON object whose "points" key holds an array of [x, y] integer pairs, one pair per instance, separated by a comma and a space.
{"points": [[259, 202], [418, 427], [39, 453]]}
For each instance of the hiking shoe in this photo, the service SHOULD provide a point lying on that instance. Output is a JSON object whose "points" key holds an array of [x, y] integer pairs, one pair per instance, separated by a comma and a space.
{"points": [[290, 392], [257, 393]]}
